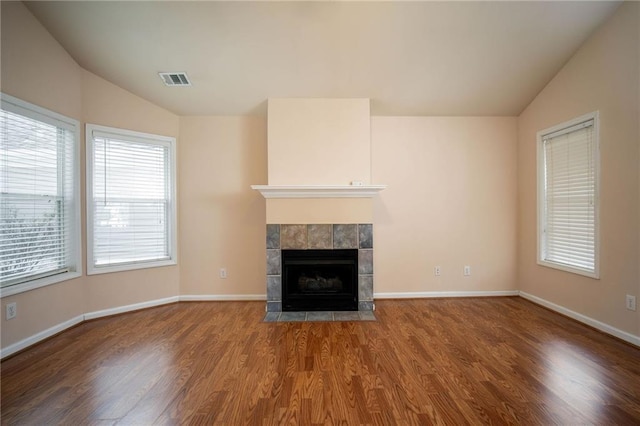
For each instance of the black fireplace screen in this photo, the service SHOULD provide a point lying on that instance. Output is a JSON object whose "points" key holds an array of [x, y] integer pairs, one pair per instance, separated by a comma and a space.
{"points": [[319, 280]]}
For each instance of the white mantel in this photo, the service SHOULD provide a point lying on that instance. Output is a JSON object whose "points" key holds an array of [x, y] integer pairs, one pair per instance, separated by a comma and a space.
{"points": [[318, 191]]}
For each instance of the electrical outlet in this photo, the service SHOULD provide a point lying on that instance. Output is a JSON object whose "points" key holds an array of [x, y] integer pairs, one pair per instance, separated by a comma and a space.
{"points": [[223, 273], [467, 270], [12, 310], [437, 271], [631, 302]]}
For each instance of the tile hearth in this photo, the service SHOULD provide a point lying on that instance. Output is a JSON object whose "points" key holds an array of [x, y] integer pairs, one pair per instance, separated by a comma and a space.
{"points": [[320, 316]]}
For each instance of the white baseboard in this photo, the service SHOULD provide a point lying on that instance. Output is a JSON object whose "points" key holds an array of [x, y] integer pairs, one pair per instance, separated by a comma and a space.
{"points": [[18, 346], [31, 340], [605, 328], [129, 308], [435, 294], [221, 297]]}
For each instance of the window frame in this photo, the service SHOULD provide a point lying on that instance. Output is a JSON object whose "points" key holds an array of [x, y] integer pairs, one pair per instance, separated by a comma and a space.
{"points": [[35, 112], [133, 136], [541, 206]]}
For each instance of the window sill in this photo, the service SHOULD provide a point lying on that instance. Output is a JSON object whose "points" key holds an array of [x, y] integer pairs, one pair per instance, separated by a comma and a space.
{"points": [[595, 275], [39, 283], [96, 270]]}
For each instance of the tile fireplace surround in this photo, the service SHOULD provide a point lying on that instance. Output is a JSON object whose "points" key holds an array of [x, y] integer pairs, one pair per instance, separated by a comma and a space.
{"points": [[319, 236]]}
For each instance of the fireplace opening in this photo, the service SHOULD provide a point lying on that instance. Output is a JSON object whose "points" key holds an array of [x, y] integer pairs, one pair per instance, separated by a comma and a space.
{"points": [[319, 280]]}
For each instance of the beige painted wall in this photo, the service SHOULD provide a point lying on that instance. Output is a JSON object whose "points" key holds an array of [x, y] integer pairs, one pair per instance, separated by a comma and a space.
{"points": [[450, 201], [106, 104], [320, 210], [603, 75], [36, 69], [318, 141], [222, 220]]}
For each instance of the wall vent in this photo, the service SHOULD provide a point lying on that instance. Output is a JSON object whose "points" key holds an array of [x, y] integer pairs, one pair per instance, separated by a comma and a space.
{"points": [[175, 78]]}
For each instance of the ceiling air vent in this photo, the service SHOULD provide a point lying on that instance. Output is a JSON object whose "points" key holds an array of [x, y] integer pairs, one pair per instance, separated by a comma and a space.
{"points": [[175, 78]]}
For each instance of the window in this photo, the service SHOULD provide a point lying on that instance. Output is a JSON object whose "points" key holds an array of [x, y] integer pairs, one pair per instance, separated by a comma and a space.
{"points": [[131, 220], [568, 190], [39, 190]]}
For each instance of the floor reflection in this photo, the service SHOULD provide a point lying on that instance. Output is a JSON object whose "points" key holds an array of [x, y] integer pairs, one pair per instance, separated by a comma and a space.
{"points": [[145, 371], [575, 378]]}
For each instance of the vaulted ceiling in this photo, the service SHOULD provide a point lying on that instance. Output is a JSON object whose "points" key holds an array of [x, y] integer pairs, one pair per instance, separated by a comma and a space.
{"points": [[409, 58]]}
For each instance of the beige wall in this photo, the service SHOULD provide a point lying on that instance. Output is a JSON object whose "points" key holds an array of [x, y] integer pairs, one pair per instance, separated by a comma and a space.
{"points": [[319, 210], [106, 104], [602, 75], [222, 220], [319, 141], [450, 201], [36, 69]]}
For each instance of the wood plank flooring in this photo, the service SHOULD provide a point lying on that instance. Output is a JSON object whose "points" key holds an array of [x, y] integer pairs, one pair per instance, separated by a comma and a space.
{"points": [[430, 361]]}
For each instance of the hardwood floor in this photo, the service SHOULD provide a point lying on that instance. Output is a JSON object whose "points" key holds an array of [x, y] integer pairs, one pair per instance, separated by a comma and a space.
{"points": [[429, 361]]}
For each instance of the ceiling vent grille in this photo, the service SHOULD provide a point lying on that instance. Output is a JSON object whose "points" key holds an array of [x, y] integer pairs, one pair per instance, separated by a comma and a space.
{"points": [[175, 78]]}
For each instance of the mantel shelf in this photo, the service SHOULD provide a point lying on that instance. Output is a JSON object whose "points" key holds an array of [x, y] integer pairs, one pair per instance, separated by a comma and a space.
{"points": [[318, 191]]}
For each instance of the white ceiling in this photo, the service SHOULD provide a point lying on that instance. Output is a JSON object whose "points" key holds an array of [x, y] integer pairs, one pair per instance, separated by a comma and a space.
{"points": [[410, 58]]}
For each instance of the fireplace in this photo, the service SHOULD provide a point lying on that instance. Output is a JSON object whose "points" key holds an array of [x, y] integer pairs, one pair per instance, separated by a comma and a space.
{"points": [[316, 249], [320, 280]]}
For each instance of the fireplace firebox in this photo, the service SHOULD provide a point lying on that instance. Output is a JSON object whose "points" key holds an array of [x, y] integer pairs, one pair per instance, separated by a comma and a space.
{"points": [[320, 280]]}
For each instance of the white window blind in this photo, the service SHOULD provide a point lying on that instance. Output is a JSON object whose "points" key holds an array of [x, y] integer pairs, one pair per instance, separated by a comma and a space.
{"points": [[131, 190], [39, 236], [569, 197]]}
